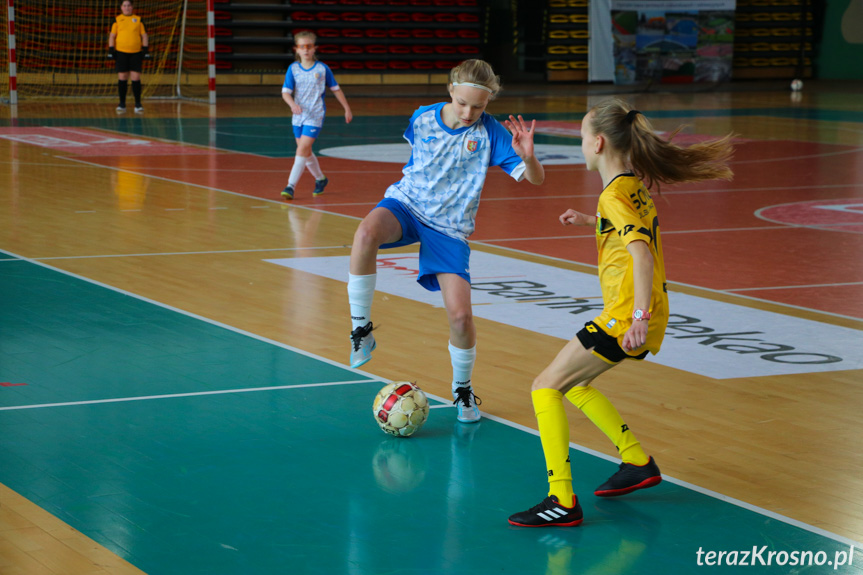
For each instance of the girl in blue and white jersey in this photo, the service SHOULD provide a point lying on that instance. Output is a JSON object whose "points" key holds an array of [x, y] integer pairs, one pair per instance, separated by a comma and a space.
{"points": [[306, 82], [453, 144]]}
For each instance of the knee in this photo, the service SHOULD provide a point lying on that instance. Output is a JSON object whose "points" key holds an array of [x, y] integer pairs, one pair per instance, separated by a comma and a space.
{"points": [[461, 320], [366, 237], [540, 382], [304, 148], [552, 380]]}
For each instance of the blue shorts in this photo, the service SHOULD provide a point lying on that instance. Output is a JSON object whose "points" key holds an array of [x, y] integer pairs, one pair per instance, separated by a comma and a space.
{"points": [[439, 253], [310, 131]]}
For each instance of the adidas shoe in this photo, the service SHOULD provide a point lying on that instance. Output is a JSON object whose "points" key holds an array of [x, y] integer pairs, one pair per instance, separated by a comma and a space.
{"points": [[549, 513], [121, 109], [288, 193], [467, 404], [319, 187], [362, 345], [139, 109], [629, 478]]}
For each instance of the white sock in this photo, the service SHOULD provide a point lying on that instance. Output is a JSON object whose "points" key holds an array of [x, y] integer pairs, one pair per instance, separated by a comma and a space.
{"points": [[314, 167], [462, 365], [296, 171], [361, 291]]}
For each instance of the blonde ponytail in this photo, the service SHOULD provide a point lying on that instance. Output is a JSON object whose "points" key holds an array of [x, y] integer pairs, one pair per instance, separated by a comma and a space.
{"points": [[654, 159]]}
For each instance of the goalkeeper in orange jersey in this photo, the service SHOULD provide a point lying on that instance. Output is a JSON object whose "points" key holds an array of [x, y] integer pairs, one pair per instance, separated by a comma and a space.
{"points": [[622, 145], [128, 46]]}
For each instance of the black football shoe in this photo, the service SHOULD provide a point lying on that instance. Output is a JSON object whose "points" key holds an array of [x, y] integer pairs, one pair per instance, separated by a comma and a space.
{"points": [[549, 513], [629, 478]]}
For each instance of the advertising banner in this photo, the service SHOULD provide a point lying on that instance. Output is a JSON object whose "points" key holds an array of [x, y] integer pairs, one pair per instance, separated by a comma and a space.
{"points": [[672, 41]]}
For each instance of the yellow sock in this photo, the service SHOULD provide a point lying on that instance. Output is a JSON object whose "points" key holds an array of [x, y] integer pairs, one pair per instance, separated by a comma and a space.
{"points": [[606, 417], [554, 434]]}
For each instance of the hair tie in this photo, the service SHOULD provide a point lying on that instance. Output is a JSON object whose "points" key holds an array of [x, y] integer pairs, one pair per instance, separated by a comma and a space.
{"points": [[472, 85], [630, 116]]}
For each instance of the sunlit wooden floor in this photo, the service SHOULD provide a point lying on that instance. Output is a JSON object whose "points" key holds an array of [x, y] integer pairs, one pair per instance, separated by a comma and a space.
{"points": [[190, 227]]}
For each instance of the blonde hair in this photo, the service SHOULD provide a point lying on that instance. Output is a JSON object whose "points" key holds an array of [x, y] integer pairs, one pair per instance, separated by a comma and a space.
{"points": [[654, 159], [477, 72], [304, 34]]}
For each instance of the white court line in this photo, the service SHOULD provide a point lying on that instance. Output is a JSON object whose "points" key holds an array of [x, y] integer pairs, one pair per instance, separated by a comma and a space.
{"points": [[716, 495], [206, 149], [796, 287], [190, 394], [208, 188], [795, 158], [777, 226], [730, 291], [696, 488], [256, 250], [675, 192], [675, 283]]}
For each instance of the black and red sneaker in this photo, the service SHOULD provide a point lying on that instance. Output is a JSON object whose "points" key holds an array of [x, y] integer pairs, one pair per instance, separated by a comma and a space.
{"points": [[629, 478], [549, 513]]}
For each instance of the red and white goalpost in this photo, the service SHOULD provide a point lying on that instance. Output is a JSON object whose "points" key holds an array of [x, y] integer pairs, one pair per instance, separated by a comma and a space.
{"points": [[191, 49], [13, 64], [68, 57], [211, 51]]}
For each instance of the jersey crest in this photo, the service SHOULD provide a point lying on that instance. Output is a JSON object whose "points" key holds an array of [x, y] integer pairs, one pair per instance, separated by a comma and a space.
{"points": [[471, 146]]}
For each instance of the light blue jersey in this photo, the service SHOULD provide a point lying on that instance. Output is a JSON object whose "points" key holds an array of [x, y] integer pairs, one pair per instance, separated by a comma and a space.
{"points": [[443, 179], [307, 87]]}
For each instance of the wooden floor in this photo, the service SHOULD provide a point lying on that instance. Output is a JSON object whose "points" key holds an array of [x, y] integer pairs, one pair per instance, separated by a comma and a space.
{"points": [[189, 223]]}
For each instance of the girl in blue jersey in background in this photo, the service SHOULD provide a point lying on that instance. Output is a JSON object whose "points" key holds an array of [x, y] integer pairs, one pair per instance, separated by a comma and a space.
{"points": [[306, 82], [453, 144]]}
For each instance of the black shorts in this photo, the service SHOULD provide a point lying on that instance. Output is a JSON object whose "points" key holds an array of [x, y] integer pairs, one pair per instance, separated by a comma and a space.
{"points": [[592, 336], [127, 62]]}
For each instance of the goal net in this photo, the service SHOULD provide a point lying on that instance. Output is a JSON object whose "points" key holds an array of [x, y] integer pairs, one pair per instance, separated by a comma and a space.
{"points": [[59, 48]]}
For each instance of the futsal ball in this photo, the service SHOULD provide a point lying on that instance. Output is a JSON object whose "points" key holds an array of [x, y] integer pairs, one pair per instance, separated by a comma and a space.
{"points": [[796, 85], [401, 408]]}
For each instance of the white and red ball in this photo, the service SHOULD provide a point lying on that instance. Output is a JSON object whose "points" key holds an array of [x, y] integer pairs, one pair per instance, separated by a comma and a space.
{"points": [[401, 408]]}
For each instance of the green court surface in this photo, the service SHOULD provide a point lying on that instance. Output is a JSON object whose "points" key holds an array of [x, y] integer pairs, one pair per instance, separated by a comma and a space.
{"points": [[190, 448]]}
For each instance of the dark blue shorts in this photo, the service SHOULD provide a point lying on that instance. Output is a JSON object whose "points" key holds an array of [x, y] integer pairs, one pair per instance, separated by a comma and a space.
{"points": [[439, 253]]}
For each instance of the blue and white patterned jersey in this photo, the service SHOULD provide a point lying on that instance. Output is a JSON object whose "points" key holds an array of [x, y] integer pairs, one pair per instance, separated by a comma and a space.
{"points": [[443, 179], [307, 88]]}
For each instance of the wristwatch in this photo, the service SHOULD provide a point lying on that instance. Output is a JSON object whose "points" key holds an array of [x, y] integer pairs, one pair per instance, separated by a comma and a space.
{"points": [[640, 314]]}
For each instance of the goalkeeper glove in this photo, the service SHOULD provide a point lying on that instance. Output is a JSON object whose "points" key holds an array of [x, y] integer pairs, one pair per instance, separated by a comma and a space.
{"points": [[146, 50], [111, 52]]}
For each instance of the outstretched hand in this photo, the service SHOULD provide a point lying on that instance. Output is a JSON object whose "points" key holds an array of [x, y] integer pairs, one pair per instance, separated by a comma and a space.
{"points": [[522, 135]]}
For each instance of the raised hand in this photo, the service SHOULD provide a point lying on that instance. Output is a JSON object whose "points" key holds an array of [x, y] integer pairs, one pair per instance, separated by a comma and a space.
{"points": [[522, 135]]}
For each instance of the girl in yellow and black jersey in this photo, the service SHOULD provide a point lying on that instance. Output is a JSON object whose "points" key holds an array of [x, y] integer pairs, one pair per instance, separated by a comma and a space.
{"points": [[620, 144], [626, 214]]}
